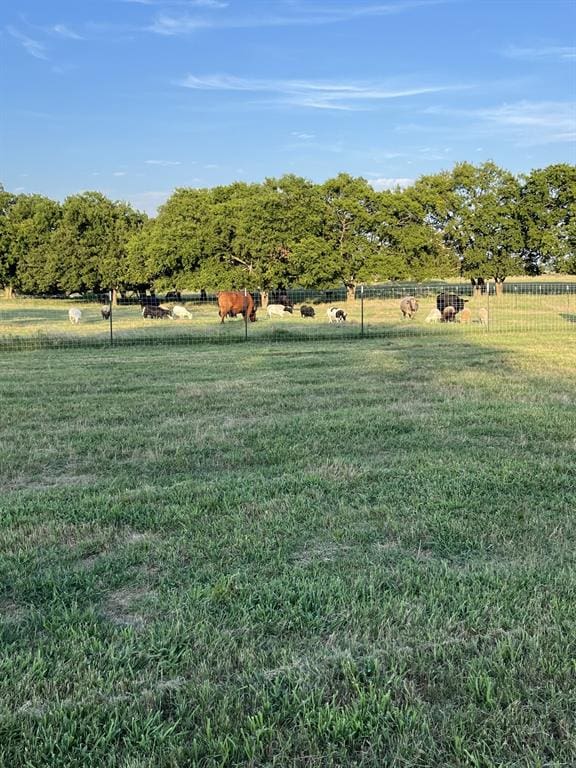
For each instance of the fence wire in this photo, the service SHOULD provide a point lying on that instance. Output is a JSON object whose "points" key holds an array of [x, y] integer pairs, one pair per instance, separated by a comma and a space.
{"points": [[291, 314]]}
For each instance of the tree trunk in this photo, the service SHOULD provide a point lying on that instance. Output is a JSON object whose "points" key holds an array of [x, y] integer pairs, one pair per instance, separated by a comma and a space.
{"points": [[8, 291], [499, 283], [264, 299], [114, 297], [350, 291]]}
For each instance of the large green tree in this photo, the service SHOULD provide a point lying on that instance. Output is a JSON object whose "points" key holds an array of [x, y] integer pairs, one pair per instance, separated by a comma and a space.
{"points": [[8, 260], [484, 226], [169, 250], [27, 224], [89, 247], [349, 230], [411, 247], [548, 218]]}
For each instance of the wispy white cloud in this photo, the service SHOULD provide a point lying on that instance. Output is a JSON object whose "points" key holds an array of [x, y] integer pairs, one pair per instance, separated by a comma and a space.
{"points": [[303, 136], [542, 122], [527, 122], [120, 173], [383, 182], [163, 163], [538, 53], [291, 14], [63, 31], [313, 94], [31, 46]]}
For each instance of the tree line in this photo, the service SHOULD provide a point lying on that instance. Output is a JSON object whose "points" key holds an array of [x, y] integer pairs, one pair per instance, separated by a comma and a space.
{"points": [[476, 221]]}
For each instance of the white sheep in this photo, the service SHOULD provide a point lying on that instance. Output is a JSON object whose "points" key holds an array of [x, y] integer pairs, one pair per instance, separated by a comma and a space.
{"points": [[336, 315], [483, 316], [434, 316], [179, 311], [278, 310], [74, 315], [408, 307]]}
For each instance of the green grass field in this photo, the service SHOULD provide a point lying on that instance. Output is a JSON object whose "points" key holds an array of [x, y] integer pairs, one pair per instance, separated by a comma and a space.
{"points": [[353, 554], [28, 323]]}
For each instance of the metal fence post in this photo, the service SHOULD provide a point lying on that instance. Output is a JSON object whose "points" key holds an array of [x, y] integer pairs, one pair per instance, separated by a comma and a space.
{"points": [[245, 315], [361, 311], [111, 296]]}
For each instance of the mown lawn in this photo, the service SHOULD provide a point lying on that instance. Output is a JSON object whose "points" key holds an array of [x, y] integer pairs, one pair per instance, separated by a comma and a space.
{"points": [[330, 554]]}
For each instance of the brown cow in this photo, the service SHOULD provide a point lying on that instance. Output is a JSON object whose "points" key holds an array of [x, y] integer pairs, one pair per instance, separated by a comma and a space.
{"points": [[236, 303]]}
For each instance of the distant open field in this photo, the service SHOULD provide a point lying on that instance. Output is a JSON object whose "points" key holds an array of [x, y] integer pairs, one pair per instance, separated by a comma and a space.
{"points": [[34, 322], [290, 555]]}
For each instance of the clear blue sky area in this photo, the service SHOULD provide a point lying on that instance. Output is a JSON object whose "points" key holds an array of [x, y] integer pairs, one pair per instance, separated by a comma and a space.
{"points": [[137, 97]]}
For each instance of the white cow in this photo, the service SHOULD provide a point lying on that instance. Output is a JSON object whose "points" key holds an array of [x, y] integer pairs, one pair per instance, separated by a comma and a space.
{"points": [[74, 315]]}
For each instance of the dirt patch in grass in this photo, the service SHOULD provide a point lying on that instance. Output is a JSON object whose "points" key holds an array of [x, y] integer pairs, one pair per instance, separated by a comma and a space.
{"points": [[339, 470], [321, 552], [122, 607], [46, 482], [11, 613]]}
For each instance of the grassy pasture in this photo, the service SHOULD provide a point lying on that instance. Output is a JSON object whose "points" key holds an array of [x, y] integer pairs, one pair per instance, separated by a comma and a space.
{"points": [[290, 555], [33, 322]]}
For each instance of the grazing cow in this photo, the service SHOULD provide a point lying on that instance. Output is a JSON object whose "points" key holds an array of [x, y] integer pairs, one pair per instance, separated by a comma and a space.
{"points": [[336, 315], [448, 315], [74, 315], [234, 303], [306, 311], [444, 300], [483, 316], [105, 311], [408, 307], [465, 316], [434, 316], [278, 310], [156, 312], [179, 311]]}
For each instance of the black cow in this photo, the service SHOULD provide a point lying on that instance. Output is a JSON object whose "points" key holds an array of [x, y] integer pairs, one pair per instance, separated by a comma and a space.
{"points": [[306, 311]]}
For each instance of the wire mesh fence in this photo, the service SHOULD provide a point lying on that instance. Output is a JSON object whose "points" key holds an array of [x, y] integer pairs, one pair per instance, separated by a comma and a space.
{"points": [[291, 314]]}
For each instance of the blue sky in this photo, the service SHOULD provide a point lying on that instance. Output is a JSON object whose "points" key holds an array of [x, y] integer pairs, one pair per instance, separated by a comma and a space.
{"points": [[137, 97]]}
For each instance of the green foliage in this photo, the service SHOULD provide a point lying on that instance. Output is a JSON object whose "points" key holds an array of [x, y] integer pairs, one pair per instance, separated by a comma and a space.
{"points": [[88, 249], [548, 216], [484, 227], [477, 221]]}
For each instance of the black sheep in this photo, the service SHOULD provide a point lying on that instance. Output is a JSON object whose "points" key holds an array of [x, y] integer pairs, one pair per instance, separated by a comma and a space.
{"points": [[444, 300]]}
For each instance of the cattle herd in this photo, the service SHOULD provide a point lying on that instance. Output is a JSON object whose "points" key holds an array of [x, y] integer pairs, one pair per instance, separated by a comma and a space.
{"points": [[450, 307]]}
